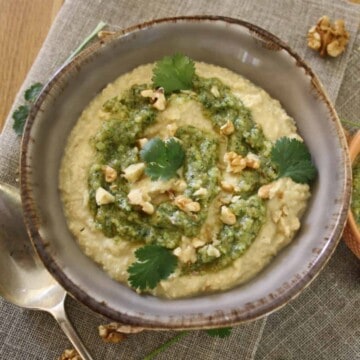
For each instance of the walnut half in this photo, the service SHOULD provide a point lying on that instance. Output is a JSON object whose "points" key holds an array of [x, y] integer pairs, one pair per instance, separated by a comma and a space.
{"points": [[327, 38], [70, 354], [116, 332]]}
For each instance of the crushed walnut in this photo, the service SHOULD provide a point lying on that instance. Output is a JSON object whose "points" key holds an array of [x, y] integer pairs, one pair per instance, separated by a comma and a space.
{"points": [[110, 173], [103, 197], [134, 172], [116, 332], [228, 128], [138, 197], [264, 191], [70, 354], [141, 142], [157, 98], [110, 334], [327, 38], [186, 252], [227, 216], [235, 163], [186, 204]]}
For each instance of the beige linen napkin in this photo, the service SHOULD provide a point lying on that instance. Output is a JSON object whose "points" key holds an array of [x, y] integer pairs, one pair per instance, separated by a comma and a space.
{"points": [[322, 323]]}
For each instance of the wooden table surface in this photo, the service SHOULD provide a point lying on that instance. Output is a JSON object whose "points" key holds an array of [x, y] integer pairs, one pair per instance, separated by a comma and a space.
{"points": [[24, 25]]}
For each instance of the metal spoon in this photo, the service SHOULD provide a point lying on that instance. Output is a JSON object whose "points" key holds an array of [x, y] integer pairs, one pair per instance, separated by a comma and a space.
{"points": [[24, 280]]}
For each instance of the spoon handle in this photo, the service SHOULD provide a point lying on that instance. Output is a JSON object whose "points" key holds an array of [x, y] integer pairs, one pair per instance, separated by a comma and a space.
{"points": [[60, 316]]}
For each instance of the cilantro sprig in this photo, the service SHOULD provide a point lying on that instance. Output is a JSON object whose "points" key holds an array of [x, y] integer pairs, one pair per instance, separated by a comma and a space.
{"points": [[31, 94], [162, 158], [22, 112], [293, 159], [174, 73], [220, 332], [153, 264]]}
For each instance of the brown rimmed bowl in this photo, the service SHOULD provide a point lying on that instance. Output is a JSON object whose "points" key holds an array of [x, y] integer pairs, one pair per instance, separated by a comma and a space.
{"points": [[245, 49], [352, 231]]}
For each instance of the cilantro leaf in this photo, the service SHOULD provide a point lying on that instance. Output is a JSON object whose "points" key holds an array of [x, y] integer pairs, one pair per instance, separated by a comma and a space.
{"points": [[20, 115], [154, 263], [220, 332], [293, 159], [22, 112], [162, 158], [174, 73], [33, 92]]}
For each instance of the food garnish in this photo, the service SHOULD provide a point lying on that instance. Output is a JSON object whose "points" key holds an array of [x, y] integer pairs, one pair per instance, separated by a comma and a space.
{"points": [[154, 263], [174, 73], [293, 159], [162, 158], [22, 112], [220, 332], [327, 38], [70, 354]]}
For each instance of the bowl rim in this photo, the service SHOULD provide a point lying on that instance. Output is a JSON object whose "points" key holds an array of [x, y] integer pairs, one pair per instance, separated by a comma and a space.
{"points": [[215, 320]]}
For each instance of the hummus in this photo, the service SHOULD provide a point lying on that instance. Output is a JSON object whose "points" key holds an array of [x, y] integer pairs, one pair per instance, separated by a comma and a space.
{"points": [[225, 215]]}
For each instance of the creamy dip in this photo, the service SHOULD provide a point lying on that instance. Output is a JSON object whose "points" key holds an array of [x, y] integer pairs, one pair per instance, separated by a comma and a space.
{"points": [[224, 215]]}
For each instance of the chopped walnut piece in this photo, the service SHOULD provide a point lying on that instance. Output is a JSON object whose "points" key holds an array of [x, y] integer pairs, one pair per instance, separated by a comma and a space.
{"points": [[110, 334], [196, 242], [186, 252], [235, 163], [103, 197], [327, 38], [110, 174], [227, 216], [264, 191], [138, 197], [134, 172], [215, 91], [228, 128], [70, 354], [227, 187], [157, 98], [201, 192], [186, 204], [179, 185], [148, 208], [116, 332], [252, 161], [212, 251], [141, 142]]}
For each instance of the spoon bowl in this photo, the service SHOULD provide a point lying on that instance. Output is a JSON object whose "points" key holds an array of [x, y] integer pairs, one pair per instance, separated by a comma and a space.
{"points": [[25, 282]]}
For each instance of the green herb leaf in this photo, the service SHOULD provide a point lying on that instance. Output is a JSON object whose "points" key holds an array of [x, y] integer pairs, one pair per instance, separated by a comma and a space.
{"points": [[162, 158], [154, 263], [221, 332], [20, 115], [174, 73], [33, 92], [22, 112], [293, 159]]}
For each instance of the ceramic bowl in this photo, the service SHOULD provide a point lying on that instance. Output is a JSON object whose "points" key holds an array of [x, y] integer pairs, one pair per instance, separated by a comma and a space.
{"points": [[245, 49], [352, 231]]}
